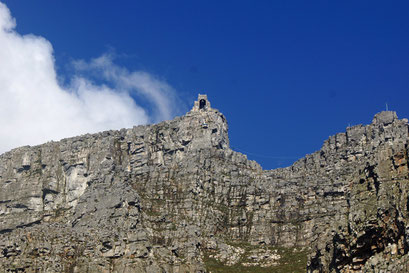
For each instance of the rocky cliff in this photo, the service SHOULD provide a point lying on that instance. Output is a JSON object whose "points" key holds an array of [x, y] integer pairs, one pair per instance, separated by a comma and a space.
{"points": [[173, 197]]}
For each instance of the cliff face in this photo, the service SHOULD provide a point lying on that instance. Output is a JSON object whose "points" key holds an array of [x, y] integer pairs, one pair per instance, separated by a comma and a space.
{"points": [[173, 197]]}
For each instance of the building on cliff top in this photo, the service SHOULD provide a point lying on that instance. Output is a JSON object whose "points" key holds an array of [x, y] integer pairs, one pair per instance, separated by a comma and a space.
{"points": [[201, 104]]}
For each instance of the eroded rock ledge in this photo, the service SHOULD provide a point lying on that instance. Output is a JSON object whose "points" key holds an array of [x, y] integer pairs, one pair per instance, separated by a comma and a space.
{"points": [[173, 197]]}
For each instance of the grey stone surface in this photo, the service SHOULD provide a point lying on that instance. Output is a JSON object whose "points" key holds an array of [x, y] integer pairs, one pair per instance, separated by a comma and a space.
{"points": [[159, 198]]}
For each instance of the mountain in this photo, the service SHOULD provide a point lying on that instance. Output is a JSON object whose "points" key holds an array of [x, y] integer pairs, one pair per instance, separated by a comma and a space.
{"points": [[173, 197]]}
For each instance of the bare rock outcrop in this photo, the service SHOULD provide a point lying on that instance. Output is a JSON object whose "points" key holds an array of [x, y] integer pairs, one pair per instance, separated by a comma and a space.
{"points": [[173, 197]]}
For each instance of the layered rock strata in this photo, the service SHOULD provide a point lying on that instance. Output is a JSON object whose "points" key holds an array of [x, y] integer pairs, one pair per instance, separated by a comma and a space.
{"points": [[173, 197]]}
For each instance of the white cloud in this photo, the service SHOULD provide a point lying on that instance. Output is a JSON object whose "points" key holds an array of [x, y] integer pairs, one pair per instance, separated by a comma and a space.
{"points": [[35, 108], [158, 92]]}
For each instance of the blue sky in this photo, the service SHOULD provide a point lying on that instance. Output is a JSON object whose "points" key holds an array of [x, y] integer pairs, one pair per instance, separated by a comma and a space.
{"points": [[286, 74]]}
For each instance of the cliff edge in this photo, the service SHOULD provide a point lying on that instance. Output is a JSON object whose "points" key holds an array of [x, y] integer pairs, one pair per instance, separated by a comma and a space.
{"points": [[173, 197]]}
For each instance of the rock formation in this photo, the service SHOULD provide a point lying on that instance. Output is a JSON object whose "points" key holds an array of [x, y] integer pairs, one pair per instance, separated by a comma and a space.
{"points": [[173, 197]]}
